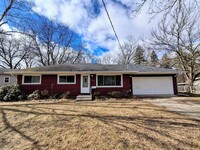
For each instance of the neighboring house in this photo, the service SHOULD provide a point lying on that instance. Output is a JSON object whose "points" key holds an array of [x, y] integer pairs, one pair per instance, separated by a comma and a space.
{"points": [[81, 78], [6, 78], [184, 87], [197, 86]]}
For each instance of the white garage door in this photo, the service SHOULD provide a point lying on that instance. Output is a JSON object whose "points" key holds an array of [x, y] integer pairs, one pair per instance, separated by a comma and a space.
{"points": [[152, 85]]}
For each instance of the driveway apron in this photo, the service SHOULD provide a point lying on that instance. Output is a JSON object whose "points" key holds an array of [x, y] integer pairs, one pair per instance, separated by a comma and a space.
{"points": [[179, 105]]}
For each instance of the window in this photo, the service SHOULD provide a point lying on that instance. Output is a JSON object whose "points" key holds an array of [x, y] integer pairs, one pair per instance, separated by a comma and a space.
{"points": [[31, 80], [110, 80], [6, 79], [66, 79]]}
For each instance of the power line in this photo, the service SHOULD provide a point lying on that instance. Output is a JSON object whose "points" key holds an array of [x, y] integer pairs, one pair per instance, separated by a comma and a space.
{"points": [[111, 24]]}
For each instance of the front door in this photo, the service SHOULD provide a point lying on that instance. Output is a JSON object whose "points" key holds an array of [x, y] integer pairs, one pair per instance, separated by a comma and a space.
{"points": [[85, 83]]}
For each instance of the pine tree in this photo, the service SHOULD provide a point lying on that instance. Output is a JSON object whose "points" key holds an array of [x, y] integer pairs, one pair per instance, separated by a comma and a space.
{"points": [[154, 58], [165, 61], [139, 55]]}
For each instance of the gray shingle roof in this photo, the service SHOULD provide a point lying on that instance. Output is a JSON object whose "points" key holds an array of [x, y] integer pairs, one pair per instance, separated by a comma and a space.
{"points": [[97, 67], [3, 70]]}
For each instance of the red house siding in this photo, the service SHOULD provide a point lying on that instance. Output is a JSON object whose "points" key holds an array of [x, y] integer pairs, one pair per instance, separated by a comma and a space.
{"points": [[93, 79], [104, 90], [49, 82]]}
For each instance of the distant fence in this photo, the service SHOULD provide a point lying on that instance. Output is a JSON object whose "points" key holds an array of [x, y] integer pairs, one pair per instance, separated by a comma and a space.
{"points": [[186, 88]]}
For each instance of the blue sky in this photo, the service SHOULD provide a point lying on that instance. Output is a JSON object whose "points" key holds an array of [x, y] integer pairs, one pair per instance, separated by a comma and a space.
{"points": [[88, 20]]}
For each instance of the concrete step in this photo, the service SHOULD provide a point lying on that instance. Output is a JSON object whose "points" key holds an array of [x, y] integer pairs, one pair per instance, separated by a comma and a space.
{"points": [[84, 97]]}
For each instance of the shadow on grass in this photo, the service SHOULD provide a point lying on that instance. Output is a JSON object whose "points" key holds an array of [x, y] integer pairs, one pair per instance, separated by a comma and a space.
{"points": [[186, 94], [119, 122], [9, 126]]}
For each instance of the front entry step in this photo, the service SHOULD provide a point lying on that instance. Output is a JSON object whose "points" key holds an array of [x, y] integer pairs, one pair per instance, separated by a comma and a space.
{"points": [[84, 98]]}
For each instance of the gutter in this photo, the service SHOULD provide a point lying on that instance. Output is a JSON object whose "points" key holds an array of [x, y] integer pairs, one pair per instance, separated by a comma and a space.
{"points": [[87, 72]]}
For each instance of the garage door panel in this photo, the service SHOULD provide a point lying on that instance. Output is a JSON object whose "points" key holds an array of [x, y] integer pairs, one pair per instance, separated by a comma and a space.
{"points": [[152, 85]]}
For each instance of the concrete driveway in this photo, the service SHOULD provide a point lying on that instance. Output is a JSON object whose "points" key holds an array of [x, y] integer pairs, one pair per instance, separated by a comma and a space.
{"points": [[183, 105]]}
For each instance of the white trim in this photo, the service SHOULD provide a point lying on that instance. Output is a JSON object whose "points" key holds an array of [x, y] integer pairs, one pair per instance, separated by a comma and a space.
{"points": [[109, 75], [31, 83], [58, 75], [8, 79]]}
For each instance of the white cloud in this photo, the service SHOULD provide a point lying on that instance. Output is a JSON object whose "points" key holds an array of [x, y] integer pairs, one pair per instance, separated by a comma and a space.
{"points": [[97, 29], [6, 27], [74, 13], [48, 8]]}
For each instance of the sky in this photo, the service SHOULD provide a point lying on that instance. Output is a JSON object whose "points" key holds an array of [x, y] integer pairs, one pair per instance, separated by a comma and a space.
{"points": [[88, 19]]}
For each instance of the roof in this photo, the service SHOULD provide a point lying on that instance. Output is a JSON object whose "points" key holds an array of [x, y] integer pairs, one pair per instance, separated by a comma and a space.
{"points": [[3, 70], [95, 68]]}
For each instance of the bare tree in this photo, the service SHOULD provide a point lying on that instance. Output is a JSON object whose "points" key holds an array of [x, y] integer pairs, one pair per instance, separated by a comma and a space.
{"points": [[165, 7], [29, 60], [54, 43], [107, 59], [13, 11], [181, 37], [12, 52], [127, 51]]}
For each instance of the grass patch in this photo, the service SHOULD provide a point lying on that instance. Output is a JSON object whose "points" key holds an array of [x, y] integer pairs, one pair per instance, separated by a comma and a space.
{"points": [[112, 124]]}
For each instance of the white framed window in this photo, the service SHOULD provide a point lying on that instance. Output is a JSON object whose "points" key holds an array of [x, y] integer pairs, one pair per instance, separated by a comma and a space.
{"points": [[7, 80], [66, 79], [109, 81], [31, 79]]}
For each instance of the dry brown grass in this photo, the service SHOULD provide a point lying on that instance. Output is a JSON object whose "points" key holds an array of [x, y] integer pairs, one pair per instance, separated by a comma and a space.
{"points": [[195, 100], [112, 124]]}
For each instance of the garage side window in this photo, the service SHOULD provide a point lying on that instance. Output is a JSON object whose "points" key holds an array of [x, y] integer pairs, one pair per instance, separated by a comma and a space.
{"points": [[109, 80], [66, 79], [32, 80]]}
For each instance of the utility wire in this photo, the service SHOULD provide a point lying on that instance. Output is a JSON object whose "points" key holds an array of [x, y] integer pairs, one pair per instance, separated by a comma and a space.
{"points": [[112, 24]]}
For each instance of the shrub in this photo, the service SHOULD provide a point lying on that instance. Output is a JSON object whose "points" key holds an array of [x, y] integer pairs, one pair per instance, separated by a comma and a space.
{"points": [[96, 93], [65, 95], [115, 94], [54, 96], [33, 96], [44, 94], [126, 93], [119, 94], [11, 93]]}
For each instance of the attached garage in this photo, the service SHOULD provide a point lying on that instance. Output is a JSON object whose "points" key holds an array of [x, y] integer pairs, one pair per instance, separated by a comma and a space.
{"points": [[153, 85]]}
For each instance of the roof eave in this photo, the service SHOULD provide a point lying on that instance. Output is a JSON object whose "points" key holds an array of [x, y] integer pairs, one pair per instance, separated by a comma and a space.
{"points": [[143, 73], [87, 72]]}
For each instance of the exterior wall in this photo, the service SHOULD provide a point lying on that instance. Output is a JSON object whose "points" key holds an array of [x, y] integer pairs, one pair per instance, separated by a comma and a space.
{"points": [[49, 82], [104, 90], [13, 79]]}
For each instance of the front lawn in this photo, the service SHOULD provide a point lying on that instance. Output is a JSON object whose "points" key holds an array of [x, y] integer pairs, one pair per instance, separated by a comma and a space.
{"points": [[112, 124]]}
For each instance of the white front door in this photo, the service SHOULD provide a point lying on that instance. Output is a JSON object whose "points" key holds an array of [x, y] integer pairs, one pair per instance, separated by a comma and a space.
{"points": [[85, 83]]}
